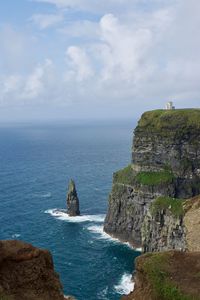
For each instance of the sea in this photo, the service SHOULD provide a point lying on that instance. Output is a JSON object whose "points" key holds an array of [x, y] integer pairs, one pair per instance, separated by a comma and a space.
{"points": [[36, 164]]}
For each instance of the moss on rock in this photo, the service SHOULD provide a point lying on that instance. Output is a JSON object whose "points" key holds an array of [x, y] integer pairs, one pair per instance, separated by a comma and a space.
{"points": [[173, 204], [124, 176], [155, 178]]}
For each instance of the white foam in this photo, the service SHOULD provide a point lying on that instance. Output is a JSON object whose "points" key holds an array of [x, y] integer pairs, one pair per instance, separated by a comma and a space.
{"points": [[126, 285], [103, 294], [62, 215], [45, 195], [98, 230], [138, 249], [100, 234], [15, 235]]}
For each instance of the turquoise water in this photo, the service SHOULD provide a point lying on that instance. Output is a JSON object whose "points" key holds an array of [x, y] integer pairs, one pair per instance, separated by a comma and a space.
{"points": [[36, 165]]}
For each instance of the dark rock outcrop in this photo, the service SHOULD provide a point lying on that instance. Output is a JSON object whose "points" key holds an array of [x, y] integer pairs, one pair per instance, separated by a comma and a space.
{"points": [[167, 275], [166, 162], [72, 200], [27, 272]]}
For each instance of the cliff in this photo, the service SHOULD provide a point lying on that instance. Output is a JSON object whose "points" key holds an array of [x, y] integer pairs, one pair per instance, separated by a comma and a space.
{"points": [[27, 272], [165, 163], [172, 224], [169, 275]]}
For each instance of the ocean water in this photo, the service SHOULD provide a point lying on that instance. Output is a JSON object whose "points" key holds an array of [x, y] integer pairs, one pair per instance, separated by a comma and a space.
{"points": [[36, 163]]}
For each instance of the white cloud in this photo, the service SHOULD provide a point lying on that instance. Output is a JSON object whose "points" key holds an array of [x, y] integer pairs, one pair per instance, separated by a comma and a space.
{"points": [[124, 49], [44, 21], [34, 84], [80, 63], [130, 57], [84, 29]]}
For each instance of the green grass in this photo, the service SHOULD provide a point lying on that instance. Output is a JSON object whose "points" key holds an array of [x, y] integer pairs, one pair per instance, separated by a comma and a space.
{"points": [[178, 119], [173, 204], [4, 297], [155, 178], [156, 269], [124, 176]]}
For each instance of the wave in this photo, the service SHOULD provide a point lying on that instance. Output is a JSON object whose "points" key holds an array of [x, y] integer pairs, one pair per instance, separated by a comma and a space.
{"points": [[47, 195], [44, 195], [126, 285], [15, 235], [62, 215], [103, 294], [98, 230]]}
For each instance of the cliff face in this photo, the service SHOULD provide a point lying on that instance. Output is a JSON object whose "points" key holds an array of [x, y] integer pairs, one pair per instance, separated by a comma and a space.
{"points": [[27, 272], [172, 224], [167, 275], [165, 162], [163, 226]]}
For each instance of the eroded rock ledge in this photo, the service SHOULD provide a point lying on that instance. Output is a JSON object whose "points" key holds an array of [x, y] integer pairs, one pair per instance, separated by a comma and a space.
{"points": [[27, 272]]}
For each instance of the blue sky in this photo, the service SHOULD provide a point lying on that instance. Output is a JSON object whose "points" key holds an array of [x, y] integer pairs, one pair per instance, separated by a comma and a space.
{"points": [[97, 59]]}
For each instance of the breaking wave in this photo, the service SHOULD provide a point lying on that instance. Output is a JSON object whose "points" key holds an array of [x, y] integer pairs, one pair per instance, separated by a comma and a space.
{"points": [[102, 235], [126, 285], [62, 215], [15, 235]]}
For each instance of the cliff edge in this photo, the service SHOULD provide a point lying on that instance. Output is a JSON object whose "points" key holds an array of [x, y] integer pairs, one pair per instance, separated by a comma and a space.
{"points": [[27, 272], [169, 275], [165, 163]]}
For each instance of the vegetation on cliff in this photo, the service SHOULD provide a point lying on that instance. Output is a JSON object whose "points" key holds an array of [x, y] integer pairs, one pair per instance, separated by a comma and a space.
{"points": [[160, 120], [165, 162], [155, 178], [172, 275], [129, 177], [174, 205], [124, 176], [159, 271]]}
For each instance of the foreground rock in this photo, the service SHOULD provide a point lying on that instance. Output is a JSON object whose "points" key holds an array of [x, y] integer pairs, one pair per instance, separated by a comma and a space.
{"points": [[27, 272], [166, 163], [72, 200], [170, 275]]}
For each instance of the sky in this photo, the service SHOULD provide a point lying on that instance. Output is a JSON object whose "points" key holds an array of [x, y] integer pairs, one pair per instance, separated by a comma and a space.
{"points": [[97, 59]]}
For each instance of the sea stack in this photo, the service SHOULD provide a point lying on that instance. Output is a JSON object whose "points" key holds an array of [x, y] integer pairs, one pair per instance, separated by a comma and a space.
{"points": [[72, 200]]}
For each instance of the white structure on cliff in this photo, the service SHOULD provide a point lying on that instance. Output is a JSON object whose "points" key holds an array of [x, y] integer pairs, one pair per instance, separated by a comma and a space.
{"points": [[169, 105]]}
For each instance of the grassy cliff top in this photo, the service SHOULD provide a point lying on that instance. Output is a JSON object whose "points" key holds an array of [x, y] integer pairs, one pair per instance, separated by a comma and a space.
{"points": [[172, 275], [174, 119]]}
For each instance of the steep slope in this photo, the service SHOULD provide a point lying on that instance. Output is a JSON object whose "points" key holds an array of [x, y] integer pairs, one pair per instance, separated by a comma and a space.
{"points": [[172, 224], [27, 272], [169, 275], [165, 162]]}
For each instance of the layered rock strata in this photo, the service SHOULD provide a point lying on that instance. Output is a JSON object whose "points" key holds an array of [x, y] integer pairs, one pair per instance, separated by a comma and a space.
{"points": [[72, 200], [27, 272], [165, 163], [172, 224]]}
